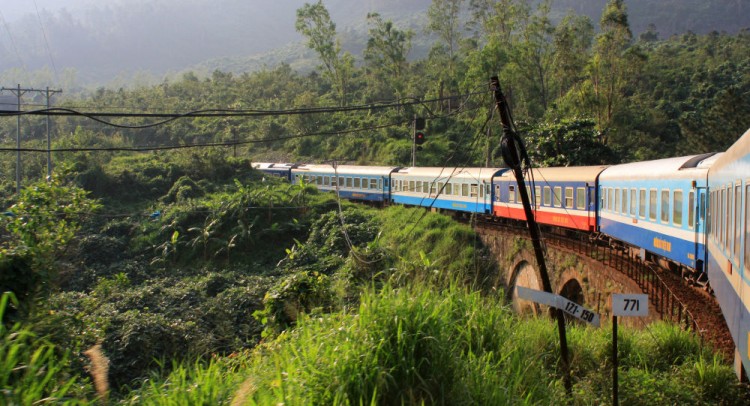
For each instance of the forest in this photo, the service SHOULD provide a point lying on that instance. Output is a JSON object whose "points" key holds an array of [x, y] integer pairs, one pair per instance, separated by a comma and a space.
{"points": [[154, 266]]}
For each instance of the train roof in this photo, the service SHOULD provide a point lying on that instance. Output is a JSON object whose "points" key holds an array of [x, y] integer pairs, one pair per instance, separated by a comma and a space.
{"points": [[271, 165], [669, 168], [739, 150], [345, 169], [563, 174], [451, 172]]}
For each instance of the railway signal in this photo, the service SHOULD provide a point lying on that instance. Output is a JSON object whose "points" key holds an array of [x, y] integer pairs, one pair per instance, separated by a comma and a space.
{"points": [[418, 138]]}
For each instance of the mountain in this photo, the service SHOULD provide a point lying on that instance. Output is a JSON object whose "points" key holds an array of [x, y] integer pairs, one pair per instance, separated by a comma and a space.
{"points": [[101, 40]]}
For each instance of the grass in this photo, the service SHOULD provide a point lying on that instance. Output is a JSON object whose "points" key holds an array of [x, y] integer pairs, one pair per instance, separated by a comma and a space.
{"points": [[33, 370]]}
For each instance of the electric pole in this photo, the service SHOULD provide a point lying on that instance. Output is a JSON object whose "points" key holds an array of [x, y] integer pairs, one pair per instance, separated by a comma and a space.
{"points": [[19, 92]]}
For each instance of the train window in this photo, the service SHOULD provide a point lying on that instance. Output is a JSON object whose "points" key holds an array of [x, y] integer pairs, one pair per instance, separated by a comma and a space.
{"points": [[464, 189], [538, 195], [747, 233], [387, 181], [380, 183], [737, 220], [722, 219], [611, 199], [581, 198], [511, 193], [711, 216], [327, 181], [633, 202], [474, 190], [691, 209], [433, 189], [487, 189], [333, 181], [449, 189], [715, 214], [557, 196], [547, 196], [652, 204], [341, 181], [677, 208], [412, 187], [730, 220], [348, 182], [642, 203], [441, 188], [624, 201], [665, 206], [358, 183], [616, 207], [569, 197]]}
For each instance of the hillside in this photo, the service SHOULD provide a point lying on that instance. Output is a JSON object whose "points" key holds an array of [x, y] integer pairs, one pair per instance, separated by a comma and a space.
{"points": [[96, 42]]}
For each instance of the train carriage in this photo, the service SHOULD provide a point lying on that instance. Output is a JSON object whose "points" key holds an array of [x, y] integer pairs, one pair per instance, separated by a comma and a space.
{"points": [[564, 197], [366, 183], [728, 242], [659, 206], [459, 189]]}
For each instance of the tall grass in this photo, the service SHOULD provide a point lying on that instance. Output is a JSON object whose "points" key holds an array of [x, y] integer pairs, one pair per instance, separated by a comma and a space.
{"points": [[32, 370], [406, 346], [417, 345], [210, 382]]}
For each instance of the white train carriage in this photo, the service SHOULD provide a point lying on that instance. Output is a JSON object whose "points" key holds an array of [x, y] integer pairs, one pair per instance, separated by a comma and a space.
{"points": [[459, 189], [366, 183], [659, 206]]}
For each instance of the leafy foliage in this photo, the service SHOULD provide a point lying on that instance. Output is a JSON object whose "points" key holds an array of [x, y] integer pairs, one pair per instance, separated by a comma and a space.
{"points": [[36, 231]]}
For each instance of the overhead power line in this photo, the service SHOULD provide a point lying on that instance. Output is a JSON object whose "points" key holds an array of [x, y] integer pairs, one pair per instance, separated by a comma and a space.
{"points": [[169, 117]]}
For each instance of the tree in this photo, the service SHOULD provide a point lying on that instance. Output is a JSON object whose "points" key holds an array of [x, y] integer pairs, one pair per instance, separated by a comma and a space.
{"points": [[534, 58], [566, 142], [314, 22], [37, 228], [608, 68], [444, 21], [386, 51], [572, 43]]}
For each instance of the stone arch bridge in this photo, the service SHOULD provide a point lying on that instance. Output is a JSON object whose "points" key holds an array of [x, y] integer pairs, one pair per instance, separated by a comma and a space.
{"points": [[587, 271]]}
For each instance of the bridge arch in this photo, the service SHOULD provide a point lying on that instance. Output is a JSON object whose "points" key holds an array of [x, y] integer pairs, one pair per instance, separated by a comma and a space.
{"points": [[526, 275]]}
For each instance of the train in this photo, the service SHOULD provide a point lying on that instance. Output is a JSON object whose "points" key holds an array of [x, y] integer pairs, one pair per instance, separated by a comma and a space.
{"points": [[688, 213]]}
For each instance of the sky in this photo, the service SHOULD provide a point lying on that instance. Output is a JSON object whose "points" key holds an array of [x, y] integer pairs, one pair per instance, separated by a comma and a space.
{"points": [[12, 10]]}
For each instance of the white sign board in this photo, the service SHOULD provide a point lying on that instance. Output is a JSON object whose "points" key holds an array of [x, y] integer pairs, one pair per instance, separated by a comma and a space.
{"points": [[630, 304], [537, 296], [559, 302], [578, 311]]}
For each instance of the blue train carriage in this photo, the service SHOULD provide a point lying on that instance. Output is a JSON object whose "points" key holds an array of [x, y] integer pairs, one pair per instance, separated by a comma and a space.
{"points": [[659, 206], [728, 243], [564, 197], [458, 189], [281, 170], [366, 183]]}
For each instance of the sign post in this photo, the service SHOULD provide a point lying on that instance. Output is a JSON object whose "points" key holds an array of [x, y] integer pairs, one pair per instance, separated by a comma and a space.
{"points": [[559, 302], [629, 305]]}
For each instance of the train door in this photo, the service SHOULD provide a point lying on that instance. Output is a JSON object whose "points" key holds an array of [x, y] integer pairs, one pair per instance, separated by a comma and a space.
{"points": [[697, 202], [591, 209]]}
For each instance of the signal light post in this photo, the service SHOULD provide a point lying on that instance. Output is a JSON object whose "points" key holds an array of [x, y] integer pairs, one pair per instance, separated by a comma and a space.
{"points": [[418, 138]]}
